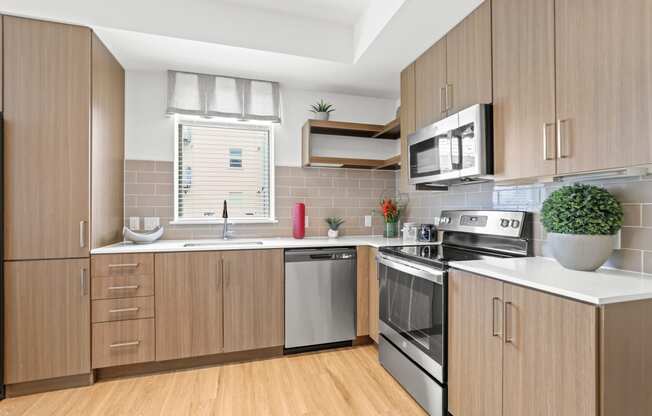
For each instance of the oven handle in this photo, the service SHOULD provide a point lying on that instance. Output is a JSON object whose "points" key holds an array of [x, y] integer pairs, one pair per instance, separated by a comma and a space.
{"points": [[427, 273]]}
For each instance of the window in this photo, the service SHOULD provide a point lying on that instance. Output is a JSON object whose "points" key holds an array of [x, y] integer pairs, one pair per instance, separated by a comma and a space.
{"points": [[217, 162]]}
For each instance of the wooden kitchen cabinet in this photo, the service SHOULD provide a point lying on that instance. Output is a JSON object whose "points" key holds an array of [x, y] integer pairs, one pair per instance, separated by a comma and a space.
{"points": [[374, 295], [362, 291], [430, 76], [47, 319], [188, 298], [468, 61], [253, 299], [604, 83], [475, 345], [523, 33], [47, 69], [550, 357], [408, 120]]}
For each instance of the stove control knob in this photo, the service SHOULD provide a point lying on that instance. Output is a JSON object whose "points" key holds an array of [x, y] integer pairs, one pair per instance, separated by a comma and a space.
{"points": [[504, 223], [445, 220], [516, 223]]}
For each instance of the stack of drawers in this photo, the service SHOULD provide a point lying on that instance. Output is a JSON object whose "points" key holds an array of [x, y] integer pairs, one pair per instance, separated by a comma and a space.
{"points": [[122, 311]]}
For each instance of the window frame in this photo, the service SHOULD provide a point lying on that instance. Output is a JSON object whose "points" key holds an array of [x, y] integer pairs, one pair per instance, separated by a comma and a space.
{"points": [[224, 123]]}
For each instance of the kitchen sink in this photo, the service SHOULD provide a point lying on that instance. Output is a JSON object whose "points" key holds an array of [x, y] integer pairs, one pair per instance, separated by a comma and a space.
{"points": [[223, 243]]}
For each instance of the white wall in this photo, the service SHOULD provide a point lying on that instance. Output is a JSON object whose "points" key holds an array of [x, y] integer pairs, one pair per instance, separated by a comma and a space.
{"points": [[149, 133]]}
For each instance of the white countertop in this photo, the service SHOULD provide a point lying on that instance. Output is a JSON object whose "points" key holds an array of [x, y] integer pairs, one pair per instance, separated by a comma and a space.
{"points": [[162, 246], [601, 287]]}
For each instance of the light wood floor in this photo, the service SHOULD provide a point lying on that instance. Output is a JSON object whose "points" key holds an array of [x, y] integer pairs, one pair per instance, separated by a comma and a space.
{"points": [[338, 382]]}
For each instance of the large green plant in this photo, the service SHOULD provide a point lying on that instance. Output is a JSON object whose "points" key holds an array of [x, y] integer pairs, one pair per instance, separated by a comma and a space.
{"points": [[582, 209]]}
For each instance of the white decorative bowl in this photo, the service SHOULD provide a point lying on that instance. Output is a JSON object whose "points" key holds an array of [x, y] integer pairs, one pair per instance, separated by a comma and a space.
{"points": [[144, 237], [581, 252]]}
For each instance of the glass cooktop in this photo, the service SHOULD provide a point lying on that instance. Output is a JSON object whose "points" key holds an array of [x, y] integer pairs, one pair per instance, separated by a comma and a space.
{"points": [[437, 255]]}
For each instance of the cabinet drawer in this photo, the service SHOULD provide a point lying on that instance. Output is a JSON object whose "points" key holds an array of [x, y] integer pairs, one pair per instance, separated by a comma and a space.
{"points": [[122, 265], [105, 310], [122, 287], [123, 342]]}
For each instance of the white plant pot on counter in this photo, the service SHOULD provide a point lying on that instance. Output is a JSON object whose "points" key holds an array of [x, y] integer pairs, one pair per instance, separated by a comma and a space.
{"points": [[581, 252], [322, 116], [333, 233]]}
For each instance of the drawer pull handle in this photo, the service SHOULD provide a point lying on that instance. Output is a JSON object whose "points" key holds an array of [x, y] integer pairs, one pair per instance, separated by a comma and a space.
{"points": [[125, 344], [132, 287], [124, 310], [124, 266]]}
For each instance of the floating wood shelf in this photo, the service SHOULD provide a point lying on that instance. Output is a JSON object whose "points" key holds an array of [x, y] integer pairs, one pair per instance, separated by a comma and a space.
{"points": [[342, 162], [341, 128], [392, 130], [389, 131]]}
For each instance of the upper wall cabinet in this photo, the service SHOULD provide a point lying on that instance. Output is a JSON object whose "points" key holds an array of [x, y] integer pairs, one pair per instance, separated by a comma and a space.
{"points": [[455, 72], [524, 87], [604, 83], [408, 110], [47, 139], [48, 72], [430, 75], [468, 61]]}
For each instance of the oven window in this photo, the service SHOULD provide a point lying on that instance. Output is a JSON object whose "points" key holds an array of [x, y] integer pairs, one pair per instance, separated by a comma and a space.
{"points": [[414, 308]]}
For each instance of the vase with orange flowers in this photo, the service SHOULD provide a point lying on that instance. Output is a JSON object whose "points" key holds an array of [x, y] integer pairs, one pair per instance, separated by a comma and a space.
{"points": [[391, 213]]}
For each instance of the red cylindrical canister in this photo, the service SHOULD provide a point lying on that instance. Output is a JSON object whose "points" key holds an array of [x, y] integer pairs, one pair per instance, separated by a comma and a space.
{"points": [[299, 221]]}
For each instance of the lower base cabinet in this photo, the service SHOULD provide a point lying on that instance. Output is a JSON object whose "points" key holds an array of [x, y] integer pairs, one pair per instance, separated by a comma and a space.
{"points": [[47, 319], [374, 293], [515, 351], [214, 302]]}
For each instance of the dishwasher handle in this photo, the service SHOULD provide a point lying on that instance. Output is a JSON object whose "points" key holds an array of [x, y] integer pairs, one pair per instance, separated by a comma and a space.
{"points": [[327, 254]]}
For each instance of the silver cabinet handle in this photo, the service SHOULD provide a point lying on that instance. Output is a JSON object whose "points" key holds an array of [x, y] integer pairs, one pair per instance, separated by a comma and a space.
{"points": [[222, 270], [560, 140], [124, 287], [508, 323], [442, 100], [82, 234], [449, 96], [123, 266], [125, 344], [124, 310], [494, 302], [545, 141], [82, 281]]}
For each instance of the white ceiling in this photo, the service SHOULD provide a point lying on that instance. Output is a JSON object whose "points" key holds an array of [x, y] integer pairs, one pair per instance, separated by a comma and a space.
{"points": [[345, 46]]}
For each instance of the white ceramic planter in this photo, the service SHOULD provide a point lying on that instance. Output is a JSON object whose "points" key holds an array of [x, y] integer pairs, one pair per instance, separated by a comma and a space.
{"points": [[581, 252], [322, 116], [333, 233]]}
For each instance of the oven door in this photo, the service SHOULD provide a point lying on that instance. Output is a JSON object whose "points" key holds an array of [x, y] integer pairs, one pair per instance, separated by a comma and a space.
{"points": [[413, 311]]}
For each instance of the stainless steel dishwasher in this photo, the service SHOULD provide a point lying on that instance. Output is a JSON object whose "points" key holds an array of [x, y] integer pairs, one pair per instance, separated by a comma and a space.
{"points": [[320, 297]]}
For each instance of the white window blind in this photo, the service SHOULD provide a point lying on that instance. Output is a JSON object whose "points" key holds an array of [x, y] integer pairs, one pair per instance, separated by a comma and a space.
{"points": [[219, 96], [218, 162]]}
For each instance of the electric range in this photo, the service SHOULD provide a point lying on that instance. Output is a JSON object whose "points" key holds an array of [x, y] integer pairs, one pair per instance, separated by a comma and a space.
{"points": [[413, 295]]}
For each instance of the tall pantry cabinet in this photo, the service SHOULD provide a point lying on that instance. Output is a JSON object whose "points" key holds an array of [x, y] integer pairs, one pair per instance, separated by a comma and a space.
{"points": [[63, 114]]}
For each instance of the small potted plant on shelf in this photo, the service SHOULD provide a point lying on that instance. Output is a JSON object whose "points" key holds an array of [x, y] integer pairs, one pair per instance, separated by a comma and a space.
{"points": [[581, 221], [391, 212], [334, 226], [322, 110]]}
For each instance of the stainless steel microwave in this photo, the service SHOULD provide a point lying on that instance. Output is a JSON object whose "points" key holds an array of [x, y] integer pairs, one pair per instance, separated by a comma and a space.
{"points": [[456, 149]]}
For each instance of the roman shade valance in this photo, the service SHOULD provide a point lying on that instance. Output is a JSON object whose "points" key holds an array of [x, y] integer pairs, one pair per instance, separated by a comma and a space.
{"points": [[219, 96]]}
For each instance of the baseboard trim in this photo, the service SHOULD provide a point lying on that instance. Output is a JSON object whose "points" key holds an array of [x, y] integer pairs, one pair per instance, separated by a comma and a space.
{"points": [[133, 370], [51, 384]]}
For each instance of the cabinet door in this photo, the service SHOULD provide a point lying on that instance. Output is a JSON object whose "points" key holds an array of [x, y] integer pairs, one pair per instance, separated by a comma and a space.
{"points": [[430, 75], [604, 83], [253, 299], [47, 68], [47, 318], [468, 60], [408, 108], [362, 291], [550, 356], [188, 288], [374, 293], [474, 345], [524, 87]]}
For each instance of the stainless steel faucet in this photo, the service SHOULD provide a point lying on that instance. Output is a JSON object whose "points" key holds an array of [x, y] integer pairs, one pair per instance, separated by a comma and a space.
{"points": [[226, 232]]}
